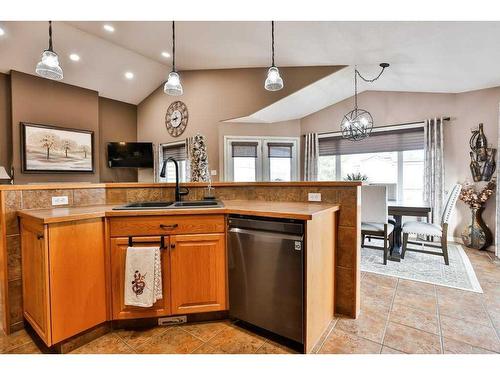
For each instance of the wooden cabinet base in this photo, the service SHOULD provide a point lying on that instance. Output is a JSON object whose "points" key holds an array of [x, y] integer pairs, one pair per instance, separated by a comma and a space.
{"points": [[64, 288], [198, 269], [35, 265], [118, 251]]}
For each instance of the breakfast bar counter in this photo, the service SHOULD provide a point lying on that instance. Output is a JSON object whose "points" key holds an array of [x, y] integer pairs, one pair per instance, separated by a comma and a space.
{"points": [[285, 210]]}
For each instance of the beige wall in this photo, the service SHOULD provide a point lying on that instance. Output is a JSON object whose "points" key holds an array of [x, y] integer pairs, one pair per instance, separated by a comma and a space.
{"points": [[213, 96], [42, 101], [386, 108], [117, 123], [5, 122], [465, 109], [27, 98]]}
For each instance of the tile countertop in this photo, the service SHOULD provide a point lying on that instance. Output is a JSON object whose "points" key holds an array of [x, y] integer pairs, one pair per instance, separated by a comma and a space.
{"points": [[286, 210]]}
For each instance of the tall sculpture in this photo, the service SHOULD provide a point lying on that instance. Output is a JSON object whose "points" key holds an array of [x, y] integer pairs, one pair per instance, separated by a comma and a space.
{"points": [[482, 164]]}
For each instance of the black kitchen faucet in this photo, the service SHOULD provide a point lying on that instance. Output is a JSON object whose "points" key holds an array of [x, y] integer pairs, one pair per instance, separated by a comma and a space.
{"points": [[178, 192]]}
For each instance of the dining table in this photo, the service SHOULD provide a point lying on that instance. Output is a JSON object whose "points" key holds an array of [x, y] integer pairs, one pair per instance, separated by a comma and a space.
{"points": [[398, 209]]}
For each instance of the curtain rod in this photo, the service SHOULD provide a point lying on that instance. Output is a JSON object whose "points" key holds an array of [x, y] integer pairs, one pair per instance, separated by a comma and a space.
{"points": [[381, 128]]}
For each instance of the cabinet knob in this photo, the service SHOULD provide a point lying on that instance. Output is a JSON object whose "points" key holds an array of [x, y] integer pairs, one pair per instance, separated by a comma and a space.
{"points": [[39, 236], [172, 246]]}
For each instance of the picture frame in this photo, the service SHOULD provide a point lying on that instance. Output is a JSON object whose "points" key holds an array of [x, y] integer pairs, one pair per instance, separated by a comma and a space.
{"points": [[54, 149]]}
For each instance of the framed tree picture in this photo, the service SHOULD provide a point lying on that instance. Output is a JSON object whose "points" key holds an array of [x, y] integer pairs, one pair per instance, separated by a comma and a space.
{"points": [[51, 149]]}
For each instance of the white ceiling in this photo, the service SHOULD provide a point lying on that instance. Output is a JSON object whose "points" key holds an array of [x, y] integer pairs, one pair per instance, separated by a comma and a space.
{"points": [[424, 56]]}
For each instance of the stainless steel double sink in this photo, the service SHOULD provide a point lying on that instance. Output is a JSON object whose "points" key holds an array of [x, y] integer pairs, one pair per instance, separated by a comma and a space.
{"points": [[162, 205]]}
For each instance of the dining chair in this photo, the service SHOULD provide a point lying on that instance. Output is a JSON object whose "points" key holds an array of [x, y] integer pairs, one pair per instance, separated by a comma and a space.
{"points": [[420, 228], [374, 217]]}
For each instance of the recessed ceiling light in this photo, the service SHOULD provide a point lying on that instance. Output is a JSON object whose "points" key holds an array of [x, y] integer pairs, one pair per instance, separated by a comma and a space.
{"points": [[109, 28], [129, 75], [2, 31], [165, 54], [74, 57]]}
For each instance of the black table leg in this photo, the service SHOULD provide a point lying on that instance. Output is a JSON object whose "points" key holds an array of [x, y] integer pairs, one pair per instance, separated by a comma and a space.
{"points": [[395, 254]]}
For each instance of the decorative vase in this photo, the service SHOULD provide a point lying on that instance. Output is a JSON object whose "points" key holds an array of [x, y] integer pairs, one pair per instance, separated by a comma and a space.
{"points": [[477, 235]]}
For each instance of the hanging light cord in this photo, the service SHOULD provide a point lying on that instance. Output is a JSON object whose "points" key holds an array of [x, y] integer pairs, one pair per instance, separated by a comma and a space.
{"points": [[50, 36], [383, 66], [173, 46], [272, 38], [356, 88], [357, 73]]}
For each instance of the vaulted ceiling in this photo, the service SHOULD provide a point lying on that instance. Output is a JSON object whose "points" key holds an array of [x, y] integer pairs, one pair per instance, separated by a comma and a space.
{"points": [[424, 56]]}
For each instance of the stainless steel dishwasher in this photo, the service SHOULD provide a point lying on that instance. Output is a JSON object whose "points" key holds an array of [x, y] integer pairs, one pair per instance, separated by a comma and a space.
{"points": [[266, 274]]}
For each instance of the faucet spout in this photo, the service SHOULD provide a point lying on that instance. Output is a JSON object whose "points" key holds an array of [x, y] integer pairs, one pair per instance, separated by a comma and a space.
{"points": [[163, 173]]}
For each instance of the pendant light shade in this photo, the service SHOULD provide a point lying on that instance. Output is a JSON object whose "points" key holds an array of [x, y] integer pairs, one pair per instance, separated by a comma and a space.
{"points": [[273, 82], [173, 85], [48, 67]]}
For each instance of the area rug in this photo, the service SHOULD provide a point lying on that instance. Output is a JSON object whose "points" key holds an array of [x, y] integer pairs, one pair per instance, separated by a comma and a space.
{"points": [[425, 267]]}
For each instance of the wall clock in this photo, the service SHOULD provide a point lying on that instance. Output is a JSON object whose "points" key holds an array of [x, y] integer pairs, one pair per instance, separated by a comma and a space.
{"points": [[176, 118]]}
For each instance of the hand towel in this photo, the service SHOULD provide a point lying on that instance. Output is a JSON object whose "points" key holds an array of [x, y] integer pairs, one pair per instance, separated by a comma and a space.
{"points": [[143, 280]]}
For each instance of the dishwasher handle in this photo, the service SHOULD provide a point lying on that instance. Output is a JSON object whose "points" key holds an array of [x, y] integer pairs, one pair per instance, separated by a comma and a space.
{"points": [[279, 235]]}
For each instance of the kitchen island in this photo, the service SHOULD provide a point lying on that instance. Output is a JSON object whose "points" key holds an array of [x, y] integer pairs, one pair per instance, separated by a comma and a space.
{"points": [[67, 251], [84, 198]]}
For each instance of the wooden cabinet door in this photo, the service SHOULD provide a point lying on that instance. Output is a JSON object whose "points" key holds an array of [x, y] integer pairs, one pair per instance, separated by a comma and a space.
{"points": [[77, 277], [198, 273], [118, 251], [35, 263]]}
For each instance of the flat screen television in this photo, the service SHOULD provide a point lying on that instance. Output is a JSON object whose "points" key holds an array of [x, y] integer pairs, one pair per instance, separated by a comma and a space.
{"points": [[130, 155]]}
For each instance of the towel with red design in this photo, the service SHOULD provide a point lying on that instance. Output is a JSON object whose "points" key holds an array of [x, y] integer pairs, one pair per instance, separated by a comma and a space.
{"points": [[143, 280]]}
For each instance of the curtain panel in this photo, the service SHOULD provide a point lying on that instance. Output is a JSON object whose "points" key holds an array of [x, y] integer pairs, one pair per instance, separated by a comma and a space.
{"points": [[311, 156], [434, 167]]}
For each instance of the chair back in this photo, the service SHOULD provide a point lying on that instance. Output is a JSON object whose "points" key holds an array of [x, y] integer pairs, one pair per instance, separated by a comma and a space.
{"points": [[451, 201], [374, 204], [392, 190]]}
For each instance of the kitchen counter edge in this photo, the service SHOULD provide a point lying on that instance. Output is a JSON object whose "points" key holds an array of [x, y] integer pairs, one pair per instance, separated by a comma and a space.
{"points": [[285, 210]]}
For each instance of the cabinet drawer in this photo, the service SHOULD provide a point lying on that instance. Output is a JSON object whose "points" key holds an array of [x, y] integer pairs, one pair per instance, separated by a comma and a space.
{"points": [[164, 225]]}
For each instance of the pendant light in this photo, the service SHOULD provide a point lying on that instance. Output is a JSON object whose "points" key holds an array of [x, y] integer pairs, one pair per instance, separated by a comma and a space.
{"points": [[49, 67], [358, 123], [273, 81], [173, 85]]}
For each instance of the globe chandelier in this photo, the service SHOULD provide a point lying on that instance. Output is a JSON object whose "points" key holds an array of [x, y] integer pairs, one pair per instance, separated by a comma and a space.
{"points": [[358, 123]]}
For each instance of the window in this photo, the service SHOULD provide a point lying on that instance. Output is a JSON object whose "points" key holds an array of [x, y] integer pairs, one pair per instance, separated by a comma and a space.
{"points": [[244, 156], [392, 158], [280, 161], [327, 170], [379, 167], [249, 159], [413, 175], [177, 150]]}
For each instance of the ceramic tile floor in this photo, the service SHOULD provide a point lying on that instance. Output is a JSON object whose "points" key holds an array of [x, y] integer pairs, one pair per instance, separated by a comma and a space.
{"points": [[397, 316]]}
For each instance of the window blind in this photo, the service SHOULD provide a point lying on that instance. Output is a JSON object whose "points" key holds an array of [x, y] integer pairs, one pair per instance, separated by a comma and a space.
{"points": [[178, 152], [280, 150], [244, 149], [384, 141]]}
